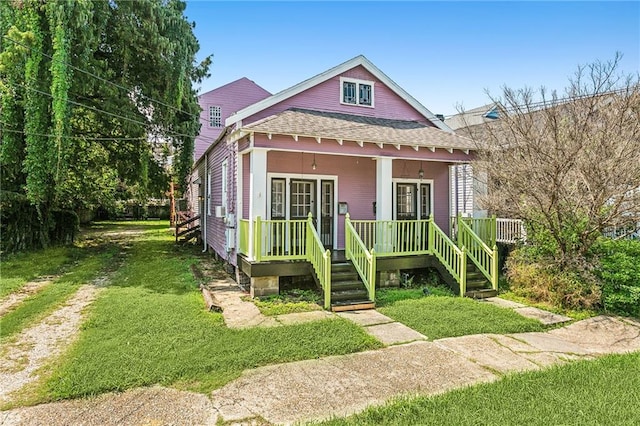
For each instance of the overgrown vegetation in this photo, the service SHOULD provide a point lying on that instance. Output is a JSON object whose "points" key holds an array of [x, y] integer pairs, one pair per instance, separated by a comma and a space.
{"points": [[612, 284], [600, 392]]}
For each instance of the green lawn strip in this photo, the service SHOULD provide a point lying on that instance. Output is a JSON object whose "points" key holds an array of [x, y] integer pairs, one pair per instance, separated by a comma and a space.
{"points": [[150, 326], [38, 306], [19, 268], [599, 392], [445, 316]]}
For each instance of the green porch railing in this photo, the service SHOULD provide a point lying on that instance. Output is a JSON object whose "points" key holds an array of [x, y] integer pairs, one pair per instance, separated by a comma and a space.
{"points": [[484, 257], [320, 259], [485, 227], [453, 258], [288, 240], [363, 260], [279, 239], [394, 237], [243, 243]]}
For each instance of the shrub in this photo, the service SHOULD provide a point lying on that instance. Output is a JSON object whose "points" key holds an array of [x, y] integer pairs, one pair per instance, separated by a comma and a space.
{"points": [[544, 283], [619, 272]]}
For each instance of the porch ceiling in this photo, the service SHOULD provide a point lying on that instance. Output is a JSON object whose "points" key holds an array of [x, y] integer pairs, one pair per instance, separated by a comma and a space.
{"points": [[345, 127]]}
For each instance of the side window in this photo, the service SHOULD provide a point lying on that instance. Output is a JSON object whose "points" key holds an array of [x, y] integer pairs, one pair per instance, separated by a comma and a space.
{"points": [[215, 116], [209, 193]]}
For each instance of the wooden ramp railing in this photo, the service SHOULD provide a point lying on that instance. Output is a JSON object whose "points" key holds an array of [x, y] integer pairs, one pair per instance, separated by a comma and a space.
{"points": [[188, 227]]}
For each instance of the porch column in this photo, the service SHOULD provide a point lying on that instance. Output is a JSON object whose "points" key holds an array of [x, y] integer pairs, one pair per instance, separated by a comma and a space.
{"points": [[257, 191], [384, 198]]}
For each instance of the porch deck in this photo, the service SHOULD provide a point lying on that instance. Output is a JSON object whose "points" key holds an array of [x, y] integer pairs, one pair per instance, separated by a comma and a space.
{"points": [[273, 248]]}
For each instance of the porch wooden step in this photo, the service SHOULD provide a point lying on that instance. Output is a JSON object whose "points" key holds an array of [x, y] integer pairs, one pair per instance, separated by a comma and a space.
{"points": [[355, 305], [349, 295], [346, 285], [337, 276], [343, 267], [477, 284], [482, 293]]}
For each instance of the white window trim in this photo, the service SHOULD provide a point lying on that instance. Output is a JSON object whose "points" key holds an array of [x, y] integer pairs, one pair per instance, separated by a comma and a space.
{"points": [[219, 116], [225, 184], [318, 178], [396, 181], [358, 82], [208, 192]]}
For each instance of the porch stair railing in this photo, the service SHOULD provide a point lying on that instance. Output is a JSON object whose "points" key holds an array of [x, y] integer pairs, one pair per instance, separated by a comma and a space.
{"points": [[288, 240], [410, 237], [363, 260], [187, 228], [320, 259], [484, 257]]}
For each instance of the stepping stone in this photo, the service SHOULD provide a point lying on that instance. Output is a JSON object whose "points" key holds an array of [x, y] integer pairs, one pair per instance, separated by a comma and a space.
{"points": [[503, 303], [366, 317], [300, 317], [394, 333], [602, 335], [545, 317]]}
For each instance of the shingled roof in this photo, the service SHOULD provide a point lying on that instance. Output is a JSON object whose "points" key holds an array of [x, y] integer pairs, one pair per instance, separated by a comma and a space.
{"points": [[339, 126]]}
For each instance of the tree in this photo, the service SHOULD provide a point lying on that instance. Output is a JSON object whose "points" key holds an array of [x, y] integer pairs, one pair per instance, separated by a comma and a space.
{"points": [[85, 85], [568, 165]]}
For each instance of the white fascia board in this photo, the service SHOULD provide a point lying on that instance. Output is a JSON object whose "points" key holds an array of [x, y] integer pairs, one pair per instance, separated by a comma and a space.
{"points": [[330, 73]]}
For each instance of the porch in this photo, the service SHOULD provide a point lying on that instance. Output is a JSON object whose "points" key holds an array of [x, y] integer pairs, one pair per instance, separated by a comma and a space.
{"points": [[268, 249]]}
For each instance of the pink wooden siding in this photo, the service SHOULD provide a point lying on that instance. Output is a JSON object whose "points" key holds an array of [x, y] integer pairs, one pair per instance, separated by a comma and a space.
{"points": [[326, 97], [356, 180], [230, 98], [215, 228]]}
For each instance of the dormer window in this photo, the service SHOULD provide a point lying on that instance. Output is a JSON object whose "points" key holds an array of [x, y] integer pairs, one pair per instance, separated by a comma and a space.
{"points": [[356, 92]]}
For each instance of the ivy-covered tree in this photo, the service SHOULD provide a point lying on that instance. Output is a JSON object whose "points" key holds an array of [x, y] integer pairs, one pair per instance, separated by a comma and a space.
{"points": [[86, 87]]}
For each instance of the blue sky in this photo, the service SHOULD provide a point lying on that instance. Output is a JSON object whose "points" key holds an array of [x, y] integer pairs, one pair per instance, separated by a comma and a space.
{"points": [[442, 53]]}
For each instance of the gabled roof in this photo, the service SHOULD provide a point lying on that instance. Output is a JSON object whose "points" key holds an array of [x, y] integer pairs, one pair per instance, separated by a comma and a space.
{"points": [[357, 128], [330, 73], [475, 116], [235, 83]]}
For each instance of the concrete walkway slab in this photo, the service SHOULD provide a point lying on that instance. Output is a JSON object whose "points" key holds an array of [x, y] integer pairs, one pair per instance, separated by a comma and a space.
{"points": [[602, 335], [142, 406], [487, 352], [545, 317], [394, 333], [545, 342], [366, 317], [342, 385], [503, 303]]}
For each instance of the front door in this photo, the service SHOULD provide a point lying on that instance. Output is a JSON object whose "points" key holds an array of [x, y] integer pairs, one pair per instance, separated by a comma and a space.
{"points": [[302, 202], [406, 206]]}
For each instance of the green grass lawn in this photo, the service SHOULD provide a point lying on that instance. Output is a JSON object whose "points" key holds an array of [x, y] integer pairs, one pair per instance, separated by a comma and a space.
{"points": [[600, 392], [19, 268], [46, 300], [438, 316], [150, 326]]}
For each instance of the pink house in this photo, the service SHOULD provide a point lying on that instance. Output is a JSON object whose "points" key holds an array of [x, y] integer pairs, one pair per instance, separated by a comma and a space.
{"points": [[343, 177]]}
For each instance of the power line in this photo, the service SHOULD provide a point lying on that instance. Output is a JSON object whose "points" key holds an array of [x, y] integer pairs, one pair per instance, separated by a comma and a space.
{"points": [[128, 90], [171, 134], [115, 138]]}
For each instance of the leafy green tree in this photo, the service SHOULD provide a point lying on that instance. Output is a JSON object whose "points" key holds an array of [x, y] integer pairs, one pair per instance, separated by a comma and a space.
{"points": [[85, 85]]}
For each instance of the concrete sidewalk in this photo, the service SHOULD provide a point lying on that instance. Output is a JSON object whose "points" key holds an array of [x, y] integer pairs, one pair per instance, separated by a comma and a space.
{"points": [[342, 385]]}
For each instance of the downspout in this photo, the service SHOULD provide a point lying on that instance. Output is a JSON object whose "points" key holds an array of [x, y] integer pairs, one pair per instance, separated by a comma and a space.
{"points": [[203, 216]]}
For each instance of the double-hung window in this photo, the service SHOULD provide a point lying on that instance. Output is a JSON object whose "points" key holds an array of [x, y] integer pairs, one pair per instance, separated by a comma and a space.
{"points": [[356, 92]]}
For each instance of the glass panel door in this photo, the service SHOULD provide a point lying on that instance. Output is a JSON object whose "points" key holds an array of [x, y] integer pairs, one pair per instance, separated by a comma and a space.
{"points": [[406, 201], [425, 200], [303, 194], [326, 214]]}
